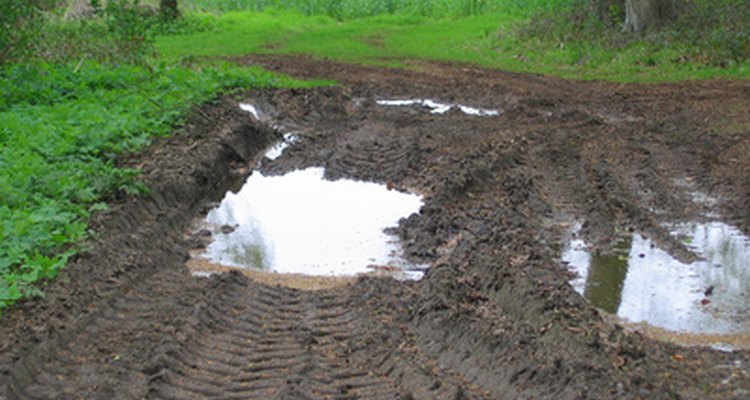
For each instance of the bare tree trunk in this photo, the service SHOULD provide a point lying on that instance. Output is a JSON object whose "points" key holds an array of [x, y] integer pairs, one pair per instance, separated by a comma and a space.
{"points": [[644, 14], [168, 9]]}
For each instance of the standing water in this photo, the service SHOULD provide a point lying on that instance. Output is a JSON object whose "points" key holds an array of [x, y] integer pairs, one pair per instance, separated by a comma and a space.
{"points": [[439, 108], [641, 283], [302, 223]]}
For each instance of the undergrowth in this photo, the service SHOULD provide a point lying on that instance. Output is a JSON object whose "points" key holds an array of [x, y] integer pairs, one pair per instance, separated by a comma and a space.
{"points": [[702, 35], [350, 9]]}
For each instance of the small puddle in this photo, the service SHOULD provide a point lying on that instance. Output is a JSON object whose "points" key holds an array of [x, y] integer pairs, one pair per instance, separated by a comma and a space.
{"points": [[300, 223], [639, 282], [439, 108], [278, 149]]}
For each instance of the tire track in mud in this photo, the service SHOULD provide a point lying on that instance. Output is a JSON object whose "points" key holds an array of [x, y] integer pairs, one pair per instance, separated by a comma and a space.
{"points": [[228, 337], [620, 185], [479, 212], [94, 358], [163, 334], [496, 303], [265, 343], [493, 318]]}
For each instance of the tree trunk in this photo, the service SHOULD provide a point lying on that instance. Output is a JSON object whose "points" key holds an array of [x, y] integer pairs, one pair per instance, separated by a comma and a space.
{"points": [[644, 14], [168, 9]]}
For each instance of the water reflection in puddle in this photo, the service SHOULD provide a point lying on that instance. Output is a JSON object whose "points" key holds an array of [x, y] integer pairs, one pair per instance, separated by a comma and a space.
{"points": [[641, 283], [439, 108], [278, 149], [301, 223]]}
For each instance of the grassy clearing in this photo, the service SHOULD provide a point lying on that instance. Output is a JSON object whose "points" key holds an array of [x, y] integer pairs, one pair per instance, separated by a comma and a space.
{"points": [[489, 40], [370, 39]]}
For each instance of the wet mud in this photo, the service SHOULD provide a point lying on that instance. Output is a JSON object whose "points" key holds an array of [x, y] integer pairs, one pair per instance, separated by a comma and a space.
{"points": [[494, 317]]}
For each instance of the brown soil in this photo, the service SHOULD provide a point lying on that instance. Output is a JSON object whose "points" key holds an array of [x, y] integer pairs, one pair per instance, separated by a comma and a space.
{"points": [[201, 268], [493, 318]]}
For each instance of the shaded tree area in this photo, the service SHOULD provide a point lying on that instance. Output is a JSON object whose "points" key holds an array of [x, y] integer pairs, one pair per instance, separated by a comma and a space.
{"points": [[638, 15], [702, 32], [611, 12], [644, 14], [168, 9], [19, 21]]}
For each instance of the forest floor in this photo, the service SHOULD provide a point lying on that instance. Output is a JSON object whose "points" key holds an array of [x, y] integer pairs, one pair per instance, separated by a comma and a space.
{"points": [[494, 317]]}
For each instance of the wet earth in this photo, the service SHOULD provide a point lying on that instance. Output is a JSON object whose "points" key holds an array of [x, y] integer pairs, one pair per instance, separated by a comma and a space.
{"points": [[495, 317]]}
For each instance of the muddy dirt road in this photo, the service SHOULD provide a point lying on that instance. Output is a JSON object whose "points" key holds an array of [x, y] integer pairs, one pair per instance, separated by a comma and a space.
{"points": [[494, 317]]}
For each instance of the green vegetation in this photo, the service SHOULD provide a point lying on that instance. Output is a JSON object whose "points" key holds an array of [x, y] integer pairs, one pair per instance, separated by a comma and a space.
{"points": [[705, 39], [563, 40], [351, 9], [367, 40], [19, 23]]}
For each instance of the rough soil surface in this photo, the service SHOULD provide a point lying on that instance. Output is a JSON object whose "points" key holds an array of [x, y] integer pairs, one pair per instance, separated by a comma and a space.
{"points": [[494, 317]]}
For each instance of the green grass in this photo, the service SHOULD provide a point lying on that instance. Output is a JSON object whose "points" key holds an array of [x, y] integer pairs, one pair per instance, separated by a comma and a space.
{"points": [[366, 39], [62, 127], [488, 40]]}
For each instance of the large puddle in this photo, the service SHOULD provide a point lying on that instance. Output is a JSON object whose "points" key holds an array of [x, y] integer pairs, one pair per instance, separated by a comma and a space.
{"points": [[641, 283], [300, 223]]}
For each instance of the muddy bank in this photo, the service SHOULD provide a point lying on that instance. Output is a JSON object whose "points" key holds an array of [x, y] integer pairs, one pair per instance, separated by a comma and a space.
{"points": [[139, 249], [494, 317]]}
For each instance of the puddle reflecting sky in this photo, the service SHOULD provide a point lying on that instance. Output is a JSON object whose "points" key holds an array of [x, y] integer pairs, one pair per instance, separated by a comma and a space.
{"points": [[642, 283], [277, 149], [251, 109], [439, 108], [301, 223]]}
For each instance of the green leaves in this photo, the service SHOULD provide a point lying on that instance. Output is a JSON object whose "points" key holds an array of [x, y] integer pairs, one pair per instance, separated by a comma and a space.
{"points": [[19, 24]]}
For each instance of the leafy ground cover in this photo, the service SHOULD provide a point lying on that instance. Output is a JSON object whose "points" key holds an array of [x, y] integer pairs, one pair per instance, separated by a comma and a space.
{"points": [[62, 127]]}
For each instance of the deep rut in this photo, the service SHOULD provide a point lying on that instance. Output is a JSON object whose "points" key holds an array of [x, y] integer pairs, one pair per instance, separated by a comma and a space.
{"points": [[266, 343], [230, 338]]}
